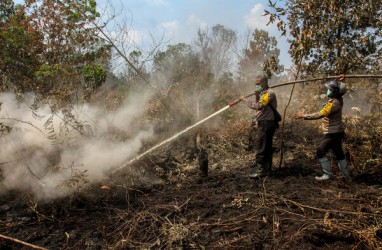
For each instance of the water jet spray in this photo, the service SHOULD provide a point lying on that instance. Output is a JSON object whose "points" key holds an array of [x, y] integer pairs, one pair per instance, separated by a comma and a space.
{"points": [[182, 132], [232, 104]]}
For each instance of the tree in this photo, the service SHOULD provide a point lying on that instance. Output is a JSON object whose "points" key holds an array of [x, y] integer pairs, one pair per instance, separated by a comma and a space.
{"points": [[182, 75], [135, 57], [48, 47], [261, 56], [70, 44], [94, 77], [332, 36], [7, 9], [174, 65], [21, 45], [215, 48]]}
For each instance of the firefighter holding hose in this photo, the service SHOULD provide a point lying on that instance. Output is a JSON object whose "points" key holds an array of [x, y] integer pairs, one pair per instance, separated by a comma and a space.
{"points": [[267, 119], [333, 129]]}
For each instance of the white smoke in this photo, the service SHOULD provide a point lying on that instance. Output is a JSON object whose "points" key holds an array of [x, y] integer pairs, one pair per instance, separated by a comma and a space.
{"points": [[44, 153]]}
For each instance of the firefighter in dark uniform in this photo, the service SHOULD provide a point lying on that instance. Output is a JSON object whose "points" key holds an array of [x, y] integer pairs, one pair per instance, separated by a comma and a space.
{"points": [[265, 118], [333, 129]]}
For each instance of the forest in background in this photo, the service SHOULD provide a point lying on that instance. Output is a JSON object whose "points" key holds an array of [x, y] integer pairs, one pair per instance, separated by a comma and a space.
{"points": [[78, 100]]}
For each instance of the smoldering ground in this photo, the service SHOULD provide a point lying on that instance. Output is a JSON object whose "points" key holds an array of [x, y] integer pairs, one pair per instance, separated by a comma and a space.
{"points": [[48, 154]]}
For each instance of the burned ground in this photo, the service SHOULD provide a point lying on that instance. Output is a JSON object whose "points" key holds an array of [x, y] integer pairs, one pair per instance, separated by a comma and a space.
{"points": [[171, 206]]}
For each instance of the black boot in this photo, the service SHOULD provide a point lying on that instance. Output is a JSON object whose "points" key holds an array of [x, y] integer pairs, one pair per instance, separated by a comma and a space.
{"points": [[268, 165], [258, 171]]}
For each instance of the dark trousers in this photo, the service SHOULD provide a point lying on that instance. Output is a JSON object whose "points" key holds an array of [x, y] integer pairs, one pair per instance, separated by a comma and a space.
{"points": [[264, 145], [331, 142]]}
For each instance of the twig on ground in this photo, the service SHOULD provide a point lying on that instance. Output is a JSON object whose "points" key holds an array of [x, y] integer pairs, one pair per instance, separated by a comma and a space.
{"points": [[22, 242]]}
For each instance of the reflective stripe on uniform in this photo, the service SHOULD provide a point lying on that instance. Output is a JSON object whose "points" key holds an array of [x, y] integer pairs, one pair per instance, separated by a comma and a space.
{"points": [[264, 99], [325, 111]]}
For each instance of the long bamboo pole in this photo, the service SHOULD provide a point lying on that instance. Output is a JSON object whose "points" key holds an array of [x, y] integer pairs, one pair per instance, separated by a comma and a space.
{"points": [[326, 78], [234, 103], [308, 80]]}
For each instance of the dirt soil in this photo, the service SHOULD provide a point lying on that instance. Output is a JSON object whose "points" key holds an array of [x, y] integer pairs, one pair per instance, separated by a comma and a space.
{"points": [[175, 208]]}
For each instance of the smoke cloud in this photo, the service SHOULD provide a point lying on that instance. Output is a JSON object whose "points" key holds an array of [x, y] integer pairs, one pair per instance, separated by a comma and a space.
{"points": [[47, 154]]}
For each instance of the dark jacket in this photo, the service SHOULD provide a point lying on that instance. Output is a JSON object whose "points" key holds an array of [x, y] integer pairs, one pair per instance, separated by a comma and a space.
{"points": [[261, 105], [332, 114]]}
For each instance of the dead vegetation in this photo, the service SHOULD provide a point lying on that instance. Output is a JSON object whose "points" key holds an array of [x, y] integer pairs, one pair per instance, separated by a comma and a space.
{"points": [[161, 201], [175, 208]]}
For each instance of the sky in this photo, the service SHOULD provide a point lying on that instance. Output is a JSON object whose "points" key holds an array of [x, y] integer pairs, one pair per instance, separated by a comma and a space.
{"points": [[179, 20]]}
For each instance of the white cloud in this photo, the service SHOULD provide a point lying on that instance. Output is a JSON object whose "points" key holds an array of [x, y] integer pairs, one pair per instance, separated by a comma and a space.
{"points": [[170, 26], [170, 29], [194, 20], [256, 19], [125, 36], [130, 36]]}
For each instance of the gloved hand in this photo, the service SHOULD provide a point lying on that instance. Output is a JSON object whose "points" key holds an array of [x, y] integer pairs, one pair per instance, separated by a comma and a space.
{"points": [[342, 77], [243, 98]]}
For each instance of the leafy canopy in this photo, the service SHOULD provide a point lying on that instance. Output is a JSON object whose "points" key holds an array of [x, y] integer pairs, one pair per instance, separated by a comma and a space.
{"points": [[261, 56], [51, 47], [331, 36]]}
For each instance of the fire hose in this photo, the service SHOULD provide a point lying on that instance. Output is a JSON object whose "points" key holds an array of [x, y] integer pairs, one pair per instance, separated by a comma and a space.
{"points": [[234, 103]]}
